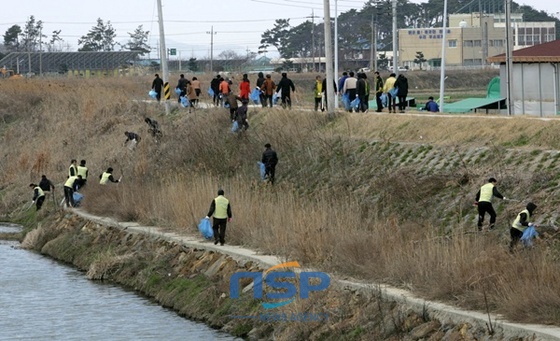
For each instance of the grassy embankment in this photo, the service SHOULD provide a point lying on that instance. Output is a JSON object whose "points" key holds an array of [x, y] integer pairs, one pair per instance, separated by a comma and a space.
{"points": [[383, 198]]}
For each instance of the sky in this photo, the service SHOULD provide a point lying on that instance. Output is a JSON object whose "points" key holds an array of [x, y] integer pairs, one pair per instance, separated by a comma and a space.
{"points": [[237, 24]]}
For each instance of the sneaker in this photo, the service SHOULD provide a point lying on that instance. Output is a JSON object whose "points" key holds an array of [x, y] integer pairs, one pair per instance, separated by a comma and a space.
{"points": [[215, 242]]}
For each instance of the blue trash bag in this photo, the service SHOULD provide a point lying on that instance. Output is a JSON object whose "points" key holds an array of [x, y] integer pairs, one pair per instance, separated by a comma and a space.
{"points": [[185, 101], [177, 91], [394, 92], [262, 169], [383, 100], [210, 92], [205, 227], [77, 198], [255, 95], [235, 127], [355, 104], [528, 235], [152, 93], [346, 101], [275, 98]]}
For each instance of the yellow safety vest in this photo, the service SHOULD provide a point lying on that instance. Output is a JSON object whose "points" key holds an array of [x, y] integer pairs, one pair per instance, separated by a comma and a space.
{"points": [[41, 193], [318, 89], [517, 222], [486, 192], [221, 207], [70, 181], [83, 172], [70, 170], [104, 178]]}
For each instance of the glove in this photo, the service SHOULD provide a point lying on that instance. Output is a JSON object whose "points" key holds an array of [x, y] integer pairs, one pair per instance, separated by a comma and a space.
{"points": [[531, 224], [505, 198], [475, 203], [207, 217]]}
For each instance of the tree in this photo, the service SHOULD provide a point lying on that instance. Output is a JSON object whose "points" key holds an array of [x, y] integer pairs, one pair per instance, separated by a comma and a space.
{"points": [[138, 41], [277, 37], [419, 59], [229, 55], [55, 38], [32, 35], [99, 38], [193, 64], [11, 38]]}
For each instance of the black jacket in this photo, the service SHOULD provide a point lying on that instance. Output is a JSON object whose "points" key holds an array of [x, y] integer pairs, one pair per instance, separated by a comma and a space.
{"points": [[157, 84], [402, 84], [285, 85], [46, 184], [269, 157]]}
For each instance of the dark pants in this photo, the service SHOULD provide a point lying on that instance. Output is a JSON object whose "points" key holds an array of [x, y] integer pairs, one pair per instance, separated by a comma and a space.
{"points": [[219, 228], [286, 100], [378, 101], [269, 173], [158, 95], [363, 104], [267, 98], [391, 102], [69, 196], [39, 202], [483, 208], [182, 94], [515, 238], [216, 98], [317, 103], [351, 95], [262, 98], [402, 103]]}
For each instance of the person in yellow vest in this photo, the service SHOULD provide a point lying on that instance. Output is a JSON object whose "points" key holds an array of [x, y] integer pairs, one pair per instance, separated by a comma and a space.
{"points": [[38, 196], [318, 92], [520, 224], [83, 171], [70, 186], [221, 210], [73, 170], [107, 177], [484, 202]]}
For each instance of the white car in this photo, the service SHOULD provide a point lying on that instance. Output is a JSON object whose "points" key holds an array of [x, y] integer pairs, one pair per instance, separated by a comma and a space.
{"points": [[400, 68]]}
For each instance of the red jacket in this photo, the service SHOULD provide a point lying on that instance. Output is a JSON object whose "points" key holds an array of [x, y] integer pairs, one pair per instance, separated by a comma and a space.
{"points": [[244, 89]]}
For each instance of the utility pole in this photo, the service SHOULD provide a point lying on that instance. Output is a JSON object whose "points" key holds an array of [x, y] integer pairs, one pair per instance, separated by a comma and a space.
{"points": [[335, 47], [329, 59], [509, 59], [395, 44], [211, 33], [443, 46], [41, 50], [163, 55]]}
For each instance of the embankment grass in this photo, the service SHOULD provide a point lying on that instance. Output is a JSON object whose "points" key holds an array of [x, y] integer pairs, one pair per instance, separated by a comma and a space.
{"points": [[383, 198]]}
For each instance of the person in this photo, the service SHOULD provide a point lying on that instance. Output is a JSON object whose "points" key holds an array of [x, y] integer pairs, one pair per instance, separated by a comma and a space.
{"points": [[73, 169], [244, 88], [260, 82], [268, 90], [154, 127], [318, 92], [220, 209], [182, 85], [46, 184], [402, 85], [241, 115], [484, 202], [38, 196], [324, 87], [520, 224], [224, 89], [107, 176], [133, 137], [387, 87], [341, 81], [195, 83], [191, 95], [270, 160], [83, 171], [215, 86], [231, 100], [285, 85], [362, 91], [431, 105], [349, 88], [378, 91], [69, 187], [157, 86]]}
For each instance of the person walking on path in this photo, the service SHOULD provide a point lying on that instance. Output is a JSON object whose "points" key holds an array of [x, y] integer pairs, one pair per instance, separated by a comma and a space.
{"points": [[73, 169], [220, 209], [107, 177], [224, 89], [195, 83], [325, 96], [362, 91], [387, 87], [484, 202], [268, 90], [378, 91], [285, 85], [38, 196], [182, 86], [341, 81], [520, 224], [244, 88], [318, 92], [157, 86], [260, 82], [83, 171], [270, 160], [215, 86], [69, 187], [402, 85], [349, 88]]}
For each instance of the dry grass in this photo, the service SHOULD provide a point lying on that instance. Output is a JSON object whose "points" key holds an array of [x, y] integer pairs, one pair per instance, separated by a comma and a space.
{"points": [[378, 210]]}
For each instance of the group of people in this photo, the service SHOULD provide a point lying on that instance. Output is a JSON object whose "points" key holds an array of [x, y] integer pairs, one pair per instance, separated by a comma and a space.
{"points": [[188, 90], [522, 222]]}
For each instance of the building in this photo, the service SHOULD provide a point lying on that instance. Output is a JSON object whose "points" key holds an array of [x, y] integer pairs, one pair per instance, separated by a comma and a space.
{"points": [[536, 80], [471, 39]]}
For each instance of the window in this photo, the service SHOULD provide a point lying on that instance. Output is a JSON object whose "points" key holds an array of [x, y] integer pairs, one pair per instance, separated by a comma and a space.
{"points": [[453, 43], [477, 43], [468, 43], [498, 43], [521, 30]]}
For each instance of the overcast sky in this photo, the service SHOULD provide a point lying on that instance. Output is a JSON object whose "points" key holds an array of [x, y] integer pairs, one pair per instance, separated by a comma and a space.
{"points": [[238, 24]]}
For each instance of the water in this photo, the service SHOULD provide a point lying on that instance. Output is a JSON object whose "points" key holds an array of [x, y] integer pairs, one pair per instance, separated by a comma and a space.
{"points": [[41, 299]]}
